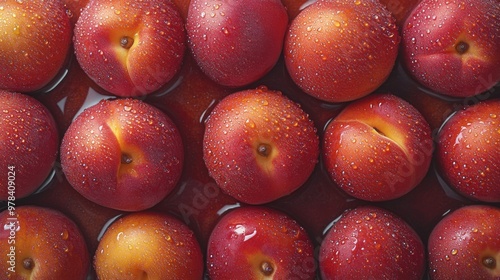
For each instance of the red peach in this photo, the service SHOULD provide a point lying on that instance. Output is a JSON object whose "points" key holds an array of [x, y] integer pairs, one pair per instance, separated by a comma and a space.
{"points": [[378, 148], [236, 42], [36, 38], [451, 46], [259, 145], [130, 48], [41, 243], [29, 143], [341, 50], [123, 154], [259, 243], [465, 244], [468, 151], [369, 242]]}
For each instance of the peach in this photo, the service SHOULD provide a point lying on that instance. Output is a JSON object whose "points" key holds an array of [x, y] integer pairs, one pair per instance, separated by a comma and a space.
{"points": [[465, 244], [236, 42], [36, 35], [29, 144], [41, 243], [259, 145], [468, 151], [259, 243], [451, 47], [341, 50], [123, 154], [130, 48], [368, 241], [148, 245], [378, 148]]}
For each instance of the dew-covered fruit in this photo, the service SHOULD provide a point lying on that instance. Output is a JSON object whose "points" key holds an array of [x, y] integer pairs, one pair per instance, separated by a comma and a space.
{"points": [[123, 154], [41, 243], [35, 35], [259, 145], [378, 148], [256, 242], [236, 43], [452, 47], [29, 144], [465, 244], [468, 151], [130, 48], [148, 245], [341, 50], [368, 241]]}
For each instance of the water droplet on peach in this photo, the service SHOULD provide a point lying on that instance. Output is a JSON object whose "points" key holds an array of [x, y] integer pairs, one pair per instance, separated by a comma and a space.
{"points": [[64, 235]]}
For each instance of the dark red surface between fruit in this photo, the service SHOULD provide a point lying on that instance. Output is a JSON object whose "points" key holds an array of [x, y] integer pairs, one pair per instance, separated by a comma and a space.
{"points": [[196, 200]]}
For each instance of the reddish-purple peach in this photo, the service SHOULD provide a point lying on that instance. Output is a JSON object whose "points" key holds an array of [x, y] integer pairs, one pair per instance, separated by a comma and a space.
{"points": [[36, 38], [130, 48], [451, 46], [259, 243], [368, 241], [378, 148], [29, 143], [123, 154], [468, 151], [259, 145], [341, 50]]}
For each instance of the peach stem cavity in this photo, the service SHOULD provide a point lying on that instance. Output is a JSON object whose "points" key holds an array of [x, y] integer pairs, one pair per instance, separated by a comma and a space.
{"points": [[266, 268], [264, 150]]}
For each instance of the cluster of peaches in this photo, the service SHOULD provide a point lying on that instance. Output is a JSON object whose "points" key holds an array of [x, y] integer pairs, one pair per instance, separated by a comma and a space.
{"points": [[255, 139]]}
